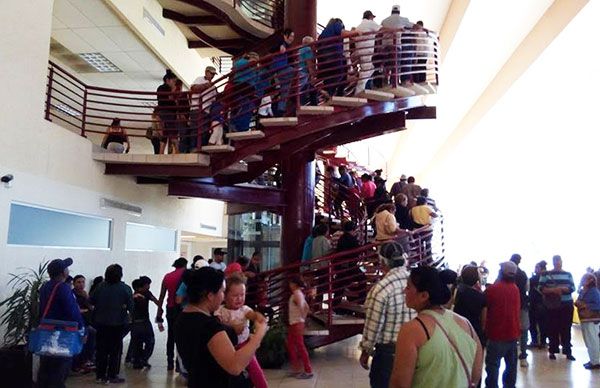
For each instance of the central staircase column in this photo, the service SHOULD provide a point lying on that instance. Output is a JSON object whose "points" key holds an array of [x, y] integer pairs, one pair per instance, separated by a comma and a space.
{"points": [[301, 16], [298, 174]]}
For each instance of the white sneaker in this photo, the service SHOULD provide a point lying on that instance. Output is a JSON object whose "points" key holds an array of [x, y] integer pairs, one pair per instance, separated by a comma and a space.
{"points": [[523, 363]]}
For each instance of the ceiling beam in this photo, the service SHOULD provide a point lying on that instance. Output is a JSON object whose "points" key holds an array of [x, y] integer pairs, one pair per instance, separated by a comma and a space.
{"points": [[454, 17], [200, 20], [248, 195], [548, 27]]}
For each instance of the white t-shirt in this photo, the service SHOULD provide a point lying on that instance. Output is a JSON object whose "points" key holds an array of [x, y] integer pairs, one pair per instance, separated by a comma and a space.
{"points": [[219, 266], [295, 313], [208, 95], [395, 21], [236, 317], [366, 43]]}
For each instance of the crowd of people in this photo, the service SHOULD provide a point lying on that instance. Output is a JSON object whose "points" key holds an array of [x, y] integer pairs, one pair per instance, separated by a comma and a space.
{"points": [[426, 328], [209, 341], [370, 55]]}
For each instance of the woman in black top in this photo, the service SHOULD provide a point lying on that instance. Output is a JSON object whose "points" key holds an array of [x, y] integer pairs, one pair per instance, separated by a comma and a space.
{"points": [[402, 216], [167, 110], [116, 138], [204, 344]]}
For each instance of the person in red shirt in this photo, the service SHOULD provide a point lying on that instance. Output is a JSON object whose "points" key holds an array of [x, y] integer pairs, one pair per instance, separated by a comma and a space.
{"points": [[502, 327], [168, 288]]}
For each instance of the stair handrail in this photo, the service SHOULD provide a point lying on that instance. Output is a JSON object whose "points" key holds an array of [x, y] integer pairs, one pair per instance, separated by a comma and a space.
{"points": [[90, 108]]}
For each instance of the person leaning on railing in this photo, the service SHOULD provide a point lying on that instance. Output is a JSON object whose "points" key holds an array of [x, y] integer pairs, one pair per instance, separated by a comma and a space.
{"points": [[116, 138], [281, 70]]}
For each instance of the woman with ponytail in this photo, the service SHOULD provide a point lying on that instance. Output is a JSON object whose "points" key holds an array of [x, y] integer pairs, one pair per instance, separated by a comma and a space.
{"points": [[438, 348]]}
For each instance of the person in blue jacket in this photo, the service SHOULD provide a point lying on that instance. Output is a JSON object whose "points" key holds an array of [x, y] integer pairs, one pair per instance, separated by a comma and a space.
{"points": [[54, 370]]}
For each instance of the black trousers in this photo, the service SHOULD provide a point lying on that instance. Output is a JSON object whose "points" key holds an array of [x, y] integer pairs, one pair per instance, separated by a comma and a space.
{"points": [[537, 325], [559, 328], [53, 371], [172, 314], [109, 346], [142, 342]]}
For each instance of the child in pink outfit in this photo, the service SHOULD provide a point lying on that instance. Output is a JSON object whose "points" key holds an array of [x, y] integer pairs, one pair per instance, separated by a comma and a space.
{"points": [[297, 310], [237, 315]]}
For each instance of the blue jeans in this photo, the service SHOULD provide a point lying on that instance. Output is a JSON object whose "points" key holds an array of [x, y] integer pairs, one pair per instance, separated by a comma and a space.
{"points": [[382, 365], [496, 351], [53, 371]]}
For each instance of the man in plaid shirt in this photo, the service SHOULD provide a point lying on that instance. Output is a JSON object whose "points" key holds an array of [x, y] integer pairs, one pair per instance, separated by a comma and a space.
{"points": [[386, 310]]}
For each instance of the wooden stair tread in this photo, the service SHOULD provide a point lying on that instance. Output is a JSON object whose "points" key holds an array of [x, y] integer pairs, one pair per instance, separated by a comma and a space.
{"points": [[312, 327], [377, 95], [399, 91], [348, 101], [173, 159], [235, 168], [315, 110], [253, 158], [218, 148], [246, 135], [279, 121]]}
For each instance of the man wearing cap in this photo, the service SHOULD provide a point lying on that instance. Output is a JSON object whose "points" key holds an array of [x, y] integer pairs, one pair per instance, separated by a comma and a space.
{"points": [[63, 307], [397, 186], [386, 311], [218, 260], [203, 93], [391, 45], [365, 47], [502, 326], [168, 288]]}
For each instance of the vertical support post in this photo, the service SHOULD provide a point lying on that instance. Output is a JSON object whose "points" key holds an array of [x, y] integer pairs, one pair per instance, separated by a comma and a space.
{"points": [[49, 94], [397, 55], [301, 16], [298, 173], [84, 113], [329, 293], [298, 88]]}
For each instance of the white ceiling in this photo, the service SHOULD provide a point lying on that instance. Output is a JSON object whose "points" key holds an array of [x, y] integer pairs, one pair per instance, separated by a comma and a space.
{"points": [[89, 26]]}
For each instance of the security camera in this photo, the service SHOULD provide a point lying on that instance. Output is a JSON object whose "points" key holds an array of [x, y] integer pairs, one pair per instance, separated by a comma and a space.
{"points": [[7, 179]]}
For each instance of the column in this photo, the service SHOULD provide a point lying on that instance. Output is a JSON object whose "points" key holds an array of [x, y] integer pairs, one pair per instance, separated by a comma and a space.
{"points": [[301, 16], [298, 175]]}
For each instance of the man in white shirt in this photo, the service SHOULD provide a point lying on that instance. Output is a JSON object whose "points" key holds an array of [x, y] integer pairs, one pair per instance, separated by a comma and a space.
{"points": [[365, 47], [203, 93], [218, 261], [394, 22]]}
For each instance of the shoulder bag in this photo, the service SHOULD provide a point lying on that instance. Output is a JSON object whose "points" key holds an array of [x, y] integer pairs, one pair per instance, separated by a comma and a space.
{"points": [[55, 338]]}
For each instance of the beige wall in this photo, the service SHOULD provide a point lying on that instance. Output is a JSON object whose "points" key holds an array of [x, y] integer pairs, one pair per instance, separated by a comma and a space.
{"points": [[53, 167]]}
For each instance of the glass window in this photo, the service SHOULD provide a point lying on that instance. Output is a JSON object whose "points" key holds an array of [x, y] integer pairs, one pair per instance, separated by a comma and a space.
{"points": [[31, 225], [140, 237]]}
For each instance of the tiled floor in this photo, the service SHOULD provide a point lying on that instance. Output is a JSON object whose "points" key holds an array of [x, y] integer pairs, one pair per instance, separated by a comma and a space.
{"points": [[337, 366]]}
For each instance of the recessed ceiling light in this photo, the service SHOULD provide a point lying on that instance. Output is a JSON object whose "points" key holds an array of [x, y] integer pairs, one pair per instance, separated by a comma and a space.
{"points": [[100, 63]]}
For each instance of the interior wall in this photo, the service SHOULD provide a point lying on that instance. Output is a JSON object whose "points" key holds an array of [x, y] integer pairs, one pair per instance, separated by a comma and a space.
{"points": [[53, 167], [522, 180]]}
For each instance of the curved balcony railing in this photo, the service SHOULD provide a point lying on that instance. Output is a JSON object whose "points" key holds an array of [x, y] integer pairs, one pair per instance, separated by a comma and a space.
{"points": [[303, 75], [269, 13]]}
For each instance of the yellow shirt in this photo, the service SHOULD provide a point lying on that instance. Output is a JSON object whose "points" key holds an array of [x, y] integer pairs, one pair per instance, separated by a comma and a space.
{"points": [[386, 225], [421, 214]]}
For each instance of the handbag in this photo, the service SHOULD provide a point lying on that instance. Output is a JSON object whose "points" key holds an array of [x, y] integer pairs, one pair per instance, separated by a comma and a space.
{"points": [[55, 338]]}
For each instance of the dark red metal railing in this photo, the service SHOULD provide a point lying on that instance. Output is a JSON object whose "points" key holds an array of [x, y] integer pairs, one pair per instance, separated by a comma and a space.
{"points": [[337, 280], [303, 75]]}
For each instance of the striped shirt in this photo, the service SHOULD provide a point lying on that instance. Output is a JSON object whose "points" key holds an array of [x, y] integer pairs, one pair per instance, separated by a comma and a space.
{"points": [[554, 278], [386, 310]]}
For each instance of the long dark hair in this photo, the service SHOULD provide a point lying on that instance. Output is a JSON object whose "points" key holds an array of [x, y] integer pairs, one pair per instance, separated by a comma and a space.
{"points": [[428, 279], [113, 274], [202, 282]]}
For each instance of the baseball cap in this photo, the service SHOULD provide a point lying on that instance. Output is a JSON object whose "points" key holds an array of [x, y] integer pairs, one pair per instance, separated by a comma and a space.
{"points": [[58, 266], [211, 69], [220, 252], [201, 264], [233, 268], [508, 268], [396, 8], [392, 251], [368, 14]]}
